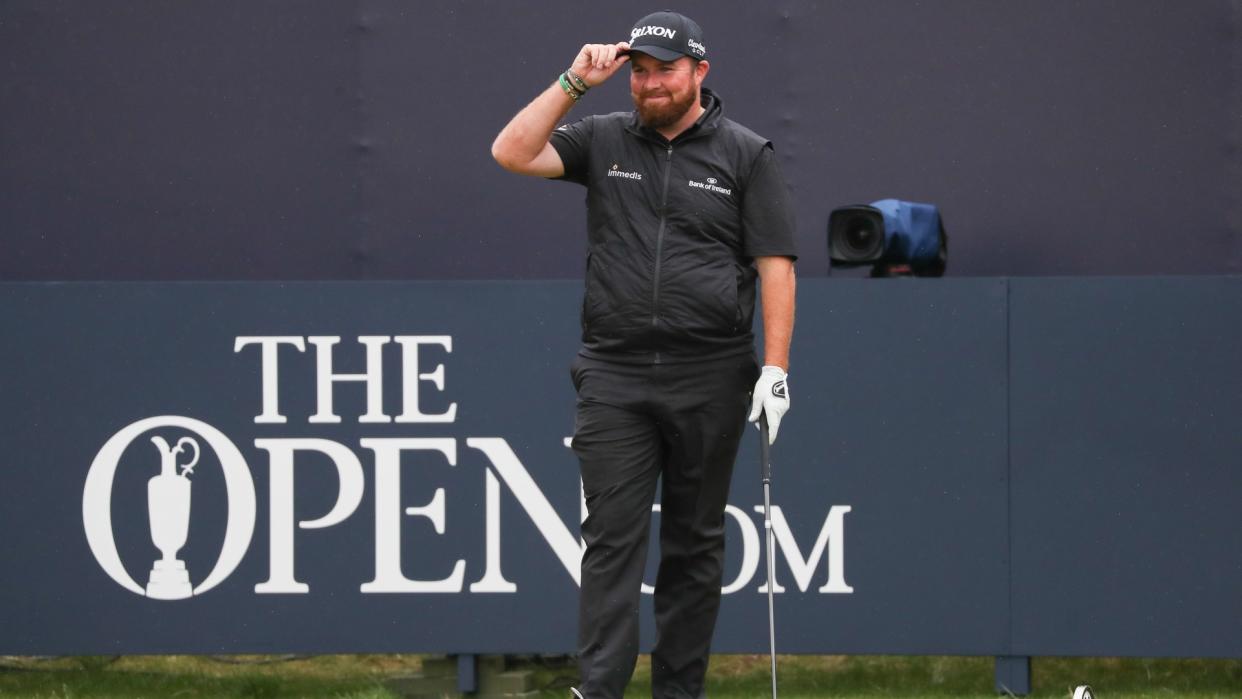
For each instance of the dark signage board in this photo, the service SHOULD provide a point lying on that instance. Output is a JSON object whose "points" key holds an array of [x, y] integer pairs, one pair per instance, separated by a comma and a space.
{"points": [[986, 466]]}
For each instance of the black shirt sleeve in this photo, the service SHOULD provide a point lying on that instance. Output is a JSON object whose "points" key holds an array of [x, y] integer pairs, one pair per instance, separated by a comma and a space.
{"points": [[767, 213], [573, 143]]}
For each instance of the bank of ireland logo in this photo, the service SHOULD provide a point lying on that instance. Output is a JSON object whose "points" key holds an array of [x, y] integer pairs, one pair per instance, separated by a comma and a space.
{"points": [[169, 499], [710, 184]]}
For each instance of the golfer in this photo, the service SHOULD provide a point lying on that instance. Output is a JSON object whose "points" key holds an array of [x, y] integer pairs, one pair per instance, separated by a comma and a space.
{"points": [[685, 208]]}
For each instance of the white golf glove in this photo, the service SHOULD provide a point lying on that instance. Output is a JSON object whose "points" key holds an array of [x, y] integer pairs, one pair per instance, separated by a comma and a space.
{"points": [[771, 398]]}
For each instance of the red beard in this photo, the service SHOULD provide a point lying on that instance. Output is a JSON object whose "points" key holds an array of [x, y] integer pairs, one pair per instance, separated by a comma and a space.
{"points": [[665, 112]]}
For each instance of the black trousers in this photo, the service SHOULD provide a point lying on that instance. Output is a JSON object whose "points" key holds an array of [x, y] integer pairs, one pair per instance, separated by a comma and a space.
{"points": [[634, 426]]}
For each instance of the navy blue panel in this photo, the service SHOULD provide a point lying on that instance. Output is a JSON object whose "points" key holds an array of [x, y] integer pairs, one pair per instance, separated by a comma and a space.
{"points": [[898, 411], [1125, 466], [898, 393], [1061, 448], [93, 358]]}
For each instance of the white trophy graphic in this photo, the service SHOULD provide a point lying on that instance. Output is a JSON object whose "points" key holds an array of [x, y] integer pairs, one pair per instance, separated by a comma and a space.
{"points": [[168, 503]]}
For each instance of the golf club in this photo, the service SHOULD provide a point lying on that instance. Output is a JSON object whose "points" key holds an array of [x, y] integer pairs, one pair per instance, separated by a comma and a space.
{"points": [[765, 464]]}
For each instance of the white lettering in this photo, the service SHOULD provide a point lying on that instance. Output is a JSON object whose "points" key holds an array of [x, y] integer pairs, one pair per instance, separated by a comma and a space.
{"points": [[493, 579], [373, 378], [503, 467], [271, 381], [567, 548], [388, 575], [709, 187], [653, 31], [831, 535], [411, 377], [750, 550], [349, 472]]}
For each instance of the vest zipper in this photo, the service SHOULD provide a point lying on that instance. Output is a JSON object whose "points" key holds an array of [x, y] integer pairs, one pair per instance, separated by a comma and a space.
{"points": [[659, 251]]}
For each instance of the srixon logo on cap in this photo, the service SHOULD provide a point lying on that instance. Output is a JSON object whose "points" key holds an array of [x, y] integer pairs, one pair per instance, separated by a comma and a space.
{"points": [[652, 31]]}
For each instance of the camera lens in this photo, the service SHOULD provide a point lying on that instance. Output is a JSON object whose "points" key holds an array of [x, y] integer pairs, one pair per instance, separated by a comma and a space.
{"points": [[855, 235], [860, 234]]}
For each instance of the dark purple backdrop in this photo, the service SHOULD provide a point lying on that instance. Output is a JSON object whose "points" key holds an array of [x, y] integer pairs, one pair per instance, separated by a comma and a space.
{"points": [[338, 140]]}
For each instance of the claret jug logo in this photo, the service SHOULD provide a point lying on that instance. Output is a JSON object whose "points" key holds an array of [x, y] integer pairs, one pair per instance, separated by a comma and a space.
{"points": [[169, 499]]}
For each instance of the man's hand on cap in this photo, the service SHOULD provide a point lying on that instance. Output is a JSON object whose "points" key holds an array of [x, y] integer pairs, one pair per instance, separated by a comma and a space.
{"points": [[595, 63]]}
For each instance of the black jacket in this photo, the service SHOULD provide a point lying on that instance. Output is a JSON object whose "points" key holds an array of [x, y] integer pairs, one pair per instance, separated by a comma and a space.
{"points": [[674, 228]]}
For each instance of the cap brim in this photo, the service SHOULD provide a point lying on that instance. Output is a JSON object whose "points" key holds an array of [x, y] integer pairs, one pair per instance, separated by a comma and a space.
{"points": [[657, 52]]}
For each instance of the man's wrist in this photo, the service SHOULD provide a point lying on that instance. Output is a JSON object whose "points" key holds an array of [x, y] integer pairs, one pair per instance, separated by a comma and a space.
{"points": [[577, 81], [568, 87]]}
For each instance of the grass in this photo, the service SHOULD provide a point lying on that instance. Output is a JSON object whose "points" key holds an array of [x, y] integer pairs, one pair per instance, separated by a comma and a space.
{"points": [[731, 677], [256, 677]]}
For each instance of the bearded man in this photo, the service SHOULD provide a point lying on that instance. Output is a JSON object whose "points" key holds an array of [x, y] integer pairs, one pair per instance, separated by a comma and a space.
{"points": [[685, 208]]}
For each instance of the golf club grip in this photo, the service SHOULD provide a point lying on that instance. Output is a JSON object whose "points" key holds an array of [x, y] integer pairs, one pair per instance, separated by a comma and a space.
{"points": [[765, 460]]}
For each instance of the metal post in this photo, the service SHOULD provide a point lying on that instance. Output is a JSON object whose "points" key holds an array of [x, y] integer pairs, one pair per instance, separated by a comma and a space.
{"points": [[467, 674], [1013, 675]]}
